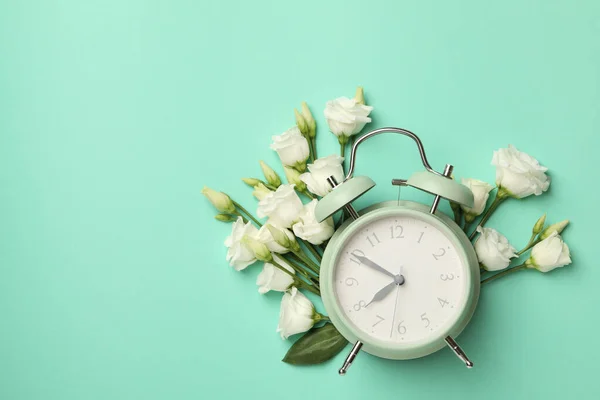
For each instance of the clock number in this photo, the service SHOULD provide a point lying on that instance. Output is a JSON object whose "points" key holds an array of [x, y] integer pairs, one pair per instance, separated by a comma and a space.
{"points": [[446, 277], [394, 234], [372, 242], [425, 319], [420, 237], [401, 328], [379, 320], [351, 282], [356, 253], [441, 253], [359, 305], [443, 302]]}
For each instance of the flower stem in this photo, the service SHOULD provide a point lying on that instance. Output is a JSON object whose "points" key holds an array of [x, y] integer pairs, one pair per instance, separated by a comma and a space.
{"points": [[342, 149], [298, 268], [313, 143], [306, 260], [314, 252], [308, 194], [276, 264], [321, 248], [300, 258], [311, 150], [505, 272], [310, 288], [488, 213], [531, 243], [467, 226], [242, 209], [298, 281]]}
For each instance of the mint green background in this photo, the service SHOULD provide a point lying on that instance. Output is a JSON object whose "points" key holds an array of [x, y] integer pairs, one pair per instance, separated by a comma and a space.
{"points": [[114, 114]]}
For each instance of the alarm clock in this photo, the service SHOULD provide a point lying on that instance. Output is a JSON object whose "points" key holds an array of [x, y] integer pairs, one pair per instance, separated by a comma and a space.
{"points": [[399, 279]]}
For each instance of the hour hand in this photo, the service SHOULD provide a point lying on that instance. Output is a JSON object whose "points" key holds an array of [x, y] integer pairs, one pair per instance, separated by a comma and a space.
{"points": [[380, 295], [371, 264]]}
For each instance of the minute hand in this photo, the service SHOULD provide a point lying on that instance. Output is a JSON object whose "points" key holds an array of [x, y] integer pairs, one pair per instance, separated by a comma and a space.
{"points": [[371, 264]]}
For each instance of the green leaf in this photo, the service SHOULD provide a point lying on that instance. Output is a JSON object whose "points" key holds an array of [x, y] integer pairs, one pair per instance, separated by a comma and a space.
{"points": [[316, 346]]}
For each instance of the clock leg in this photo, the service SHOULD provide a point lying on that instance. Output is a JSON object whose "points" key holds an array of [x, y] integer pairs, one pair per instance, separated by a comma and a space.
{"points": [[458, 351], [350, 358]]}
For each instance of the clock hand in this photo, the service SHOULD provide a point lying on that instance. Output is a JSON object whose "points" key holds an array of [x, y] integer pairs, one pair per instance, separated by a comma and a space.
{"points": [[371, 264], [400, 280], [381, 294], [394, 314]]}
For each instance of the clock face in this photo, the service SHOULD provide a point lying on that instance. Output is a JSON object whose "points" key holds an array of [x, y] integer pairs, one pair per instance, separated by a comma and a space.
{"points": [[400, 279]]}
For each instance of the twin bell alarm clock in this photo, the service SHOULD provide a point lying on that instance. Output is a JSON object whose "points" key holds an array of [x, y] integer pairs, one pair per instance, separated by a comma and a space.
{"points": [[399, 279]]}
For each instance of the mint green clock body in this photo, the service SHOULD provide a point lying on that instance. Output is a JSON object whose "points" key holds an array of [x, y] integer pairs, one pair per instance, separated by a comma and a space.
{"points": [[399, 279]]}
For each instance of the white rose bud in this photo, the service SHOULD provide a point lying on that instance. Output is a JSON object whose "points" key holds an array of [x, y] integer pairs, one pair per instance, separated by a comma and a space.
{"points": [[309, 229], [360, 95], [320, 170], [278, 240], [297, 314], [219, 200], [293, 177], [493, 250], [239, 254], [225, 217], [282, 206], [292, 148], [554, 228], [284, 237], [252, 181], [301, 123], [260, 250], [539, 225], [270, 175], [310, 121], [346, 117], [549, 254], [481, 193], [518, 174], [261, 191], [272, 278]]}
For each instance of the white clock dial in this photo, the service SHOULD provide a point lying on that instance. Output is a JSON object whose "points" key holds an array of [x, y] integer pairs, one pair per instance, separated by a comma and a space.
{"points": [[399, 279]]}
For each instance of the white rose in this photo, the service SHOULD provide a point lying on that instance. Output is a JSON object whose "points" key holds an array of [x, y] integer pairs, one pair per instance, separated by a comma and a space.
{"points": [[292, 148], [297, 314], [239, 254], [272, 278], [265, 235], [309, 229], [282, 206], [346, 117], [320, 170], [549, 254], [518, 174], [493, 250], [481, 193]]}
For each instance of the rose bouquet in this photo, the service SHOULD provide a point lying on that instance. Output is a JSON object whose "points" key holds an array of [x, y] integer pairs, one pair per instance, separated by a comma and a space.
{"points": [[286, 237]]}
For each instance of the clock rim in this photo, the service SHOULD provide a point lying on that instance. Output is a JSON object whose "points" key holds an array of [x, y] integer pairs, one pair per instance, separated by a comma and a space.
{"points": [[378, 347]]}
